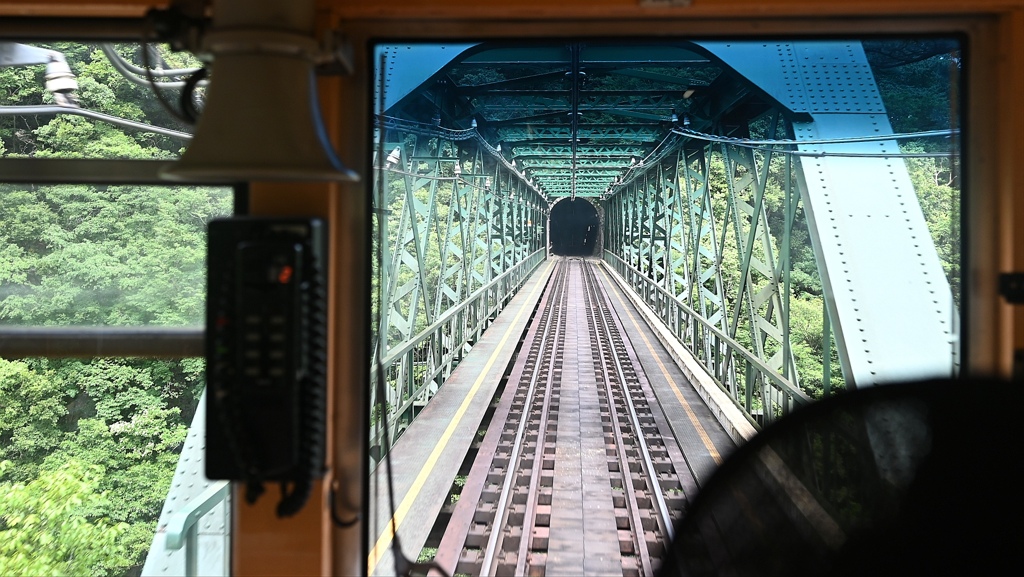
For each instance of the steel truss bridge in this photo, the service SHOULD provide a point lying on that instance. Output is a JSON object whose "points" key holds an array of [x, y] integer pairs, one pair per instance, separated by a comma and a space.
{"points": [[713, 167]]}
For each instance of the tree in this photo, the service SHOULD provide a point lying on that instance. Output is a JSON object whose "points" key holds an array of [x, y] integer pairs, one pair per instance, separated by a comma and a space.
{"points": [[31, 408], [47, 526]]}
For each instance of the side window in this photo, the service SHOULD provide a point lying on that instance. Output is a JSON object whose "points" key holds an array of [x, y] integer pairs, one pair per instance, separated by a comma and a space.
{"points": [[97, 260]]}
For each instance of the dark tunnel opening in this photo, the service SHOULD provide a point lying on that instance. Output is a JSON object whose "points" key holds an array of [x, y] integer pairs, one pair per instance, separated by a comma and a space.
{"points": [[574, 228]]}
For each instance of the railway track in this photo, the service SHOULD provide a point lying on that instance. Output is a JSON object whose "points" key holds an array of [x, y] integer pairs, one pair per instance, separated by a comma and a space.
{"points": [[573, 475]]}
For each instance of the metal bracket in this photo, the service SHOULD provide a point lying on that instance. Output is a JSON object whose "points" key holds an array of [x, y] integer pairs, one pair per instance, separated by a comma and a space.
{"points": [[1011, 286], [336, 57]]}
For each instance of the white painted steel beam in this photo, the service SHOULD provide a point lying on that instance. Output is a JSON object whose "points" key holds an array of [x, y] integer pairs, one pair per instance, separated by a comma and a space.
{"points": [[887, 295]]}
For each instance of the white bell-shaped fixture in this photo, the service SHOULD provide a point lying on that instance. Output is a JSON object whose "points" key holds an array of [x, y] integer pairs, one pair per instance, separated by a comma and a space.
{"points": [[261, 119]]}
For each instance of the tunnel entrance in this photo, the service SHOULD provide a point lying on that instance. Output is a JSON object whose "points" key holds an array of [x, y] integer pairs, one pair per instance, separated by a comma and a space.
{"points": [[575, 227]]}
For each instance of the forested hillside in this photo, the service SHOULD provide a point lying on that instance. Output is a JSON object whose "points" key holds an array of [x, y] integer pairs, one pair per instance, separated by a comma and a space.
{"points": [[89, 446]]}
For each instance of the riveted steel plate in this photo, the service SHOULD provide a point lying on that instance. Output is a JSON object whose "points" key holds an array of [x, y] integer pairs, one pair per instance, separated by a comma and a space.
{"points": [[188, 483]]}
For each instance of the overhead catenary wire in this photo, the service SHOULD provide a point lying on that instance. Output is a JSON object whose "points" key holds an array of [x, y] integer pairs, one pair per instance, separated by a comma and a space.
{"points": [[663, 148], [844, 140], [766, 145], [770, 145], [425, 129]]}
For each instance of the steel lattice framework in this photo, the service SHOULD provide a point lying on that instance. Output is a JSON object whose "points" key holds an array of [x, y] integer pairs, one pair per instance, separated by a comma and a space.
{"points": [[713, 164], [458, 232], [711, 256]]}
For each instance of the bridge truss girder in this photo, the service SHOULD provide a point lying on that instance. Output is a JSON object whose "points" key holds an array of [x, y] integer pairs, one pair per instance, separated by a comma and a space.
{"points": [[714, 245], [709, 221], [451, 219], [721, 246], [887, 294]]}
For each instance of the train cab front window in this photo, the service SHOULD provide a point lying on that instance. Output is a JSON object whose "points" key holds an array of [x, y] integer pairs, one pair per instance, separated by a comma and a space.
{"points": [[601, 265], [102, 298]]}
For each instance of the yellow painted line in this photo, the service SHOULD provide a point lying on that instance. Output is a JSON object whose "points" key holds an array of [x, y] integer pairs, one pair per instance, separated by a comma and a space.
{"points": [[671, 383], [414, 490]]}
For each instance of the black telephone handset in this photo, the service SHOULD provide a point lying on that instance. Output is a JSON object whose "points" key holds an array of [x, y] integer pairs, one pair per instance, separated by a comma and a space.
{"points": [[266, 355]]}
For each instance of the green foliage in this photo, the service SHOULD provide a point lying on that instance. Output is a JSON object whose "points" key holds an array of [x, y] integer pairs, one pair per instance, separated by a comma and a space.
{"points": [[923, 95], [935, 182], [103, 435], [31, 410], [49, 526], [120, 255], [919, 95], [102, 89], [121, 418]]}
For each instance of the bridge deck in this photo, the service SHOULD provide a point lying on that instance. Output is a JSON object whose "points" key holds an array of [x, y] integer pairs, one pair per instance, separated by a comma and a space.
{"points": [[428, 456]]}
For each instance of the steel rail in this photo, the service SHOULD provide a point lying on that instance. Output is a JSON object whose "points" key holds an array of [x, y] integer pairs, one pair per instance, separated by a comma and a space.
{"points": [[530, 513], [501, 507], [631, 499], [601, 313]]}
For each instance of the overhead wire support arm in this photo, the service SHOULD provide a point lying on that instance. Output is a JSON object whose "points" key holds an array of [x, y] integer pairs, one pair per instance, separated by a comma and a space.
{"points": [[57, 109], [60, 81]]}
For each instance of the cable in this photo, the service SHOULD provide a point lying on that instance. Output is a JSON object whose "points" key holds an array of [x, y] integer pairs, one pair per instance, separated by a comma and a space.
{"points": [[403, 566], [117, 120], [133, 73], [186, 100], [121, 63], [825, 154], [150, 26], [874, 138], [424, 129], [338, 521]]}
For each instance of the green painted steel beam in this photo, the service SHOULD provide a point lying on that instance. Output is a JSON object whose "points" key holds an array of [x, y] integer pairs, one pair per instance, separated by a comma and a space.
{"points": [[581, 163], [583, 150], [619, 134]]}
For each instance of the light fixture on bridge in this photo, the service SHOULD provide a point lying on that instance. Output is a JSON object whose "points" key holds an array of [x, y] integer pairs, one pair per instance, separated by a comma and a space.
{"points": [[472, 124], [261, 119], [487, 183], [394, 157], [59, 80], [458, 169]]}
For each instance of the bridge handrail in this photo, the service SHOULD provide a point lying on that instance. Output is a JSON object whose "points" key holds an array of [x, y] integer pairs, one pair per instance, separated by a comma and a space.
{"points": [[397, 352], [448, 360], [182, 529], [759, 365]]}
